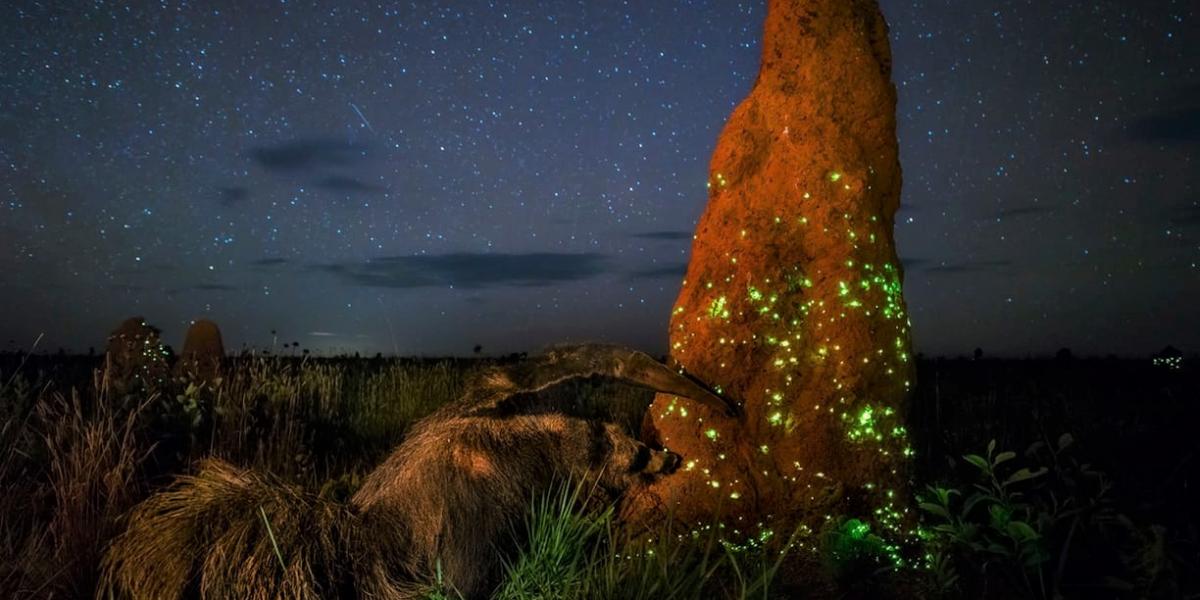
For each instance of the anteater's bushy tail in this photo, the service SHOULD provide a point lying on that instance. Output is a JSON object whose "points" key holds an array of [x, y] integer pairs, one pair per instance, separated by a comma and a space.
{"points": [[227, 532]]}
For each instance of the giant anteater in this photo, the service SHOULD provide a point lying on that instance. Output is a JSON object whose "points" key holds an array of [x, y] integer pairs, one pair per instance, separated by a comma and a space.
{"points": [[447, 500]]}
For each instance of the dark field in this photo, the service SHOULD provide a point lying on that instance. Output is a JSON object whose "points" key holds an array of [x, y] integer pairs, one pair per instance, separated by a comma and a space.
{"points": [[1114, 513]]}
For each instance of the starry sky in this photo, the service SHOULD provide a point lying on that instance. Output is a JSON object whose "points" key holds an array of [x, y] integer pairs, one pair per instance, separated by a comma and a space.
{"points": [[421, 177]]}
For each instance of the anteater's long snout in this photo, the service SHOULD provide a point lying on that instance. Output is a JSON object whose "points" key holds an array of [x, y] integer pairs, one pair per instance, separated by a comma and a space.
{"points": [[624, 364], [662, 378]]}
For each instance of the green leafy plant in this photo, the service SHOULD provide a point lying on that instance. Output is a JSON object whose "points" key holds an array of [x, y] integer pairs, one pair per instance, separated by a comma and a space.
{"points": [[1014, 525], [851, 552], [1011, 527]]}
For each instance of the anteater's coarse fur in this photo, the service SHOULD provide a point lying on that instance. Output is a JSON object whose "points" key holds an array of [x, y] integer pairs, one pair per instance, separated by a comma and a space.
{"points": [[448, 500]]}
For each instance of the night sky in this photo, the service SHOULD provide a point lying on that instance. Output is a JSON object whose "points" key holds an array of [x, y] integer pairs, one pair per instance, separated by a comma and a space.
{"points": [[422, 177]]}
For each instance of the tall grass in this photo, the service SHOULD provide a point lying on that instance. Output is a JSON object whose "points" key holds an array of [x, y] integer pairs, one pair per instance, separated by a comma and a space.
{"points": [[76, 456], [69, 471], [576, 551], [77, 453], [74, 460]]}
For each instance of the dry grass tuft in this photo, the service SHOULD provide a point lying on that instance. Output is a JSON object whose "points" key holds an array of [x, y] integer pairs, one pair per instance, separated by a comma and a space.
{"points": [[63, 505], [230, 533]]}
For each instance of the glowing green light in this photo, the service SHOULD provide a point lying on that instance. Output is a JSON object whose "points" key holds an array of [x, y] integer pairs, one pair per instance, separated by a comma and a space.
{"points": [[866, 418], [776, 418], [834, 176], [858, 529], [718, 308], [863, 426], [711, 434]]}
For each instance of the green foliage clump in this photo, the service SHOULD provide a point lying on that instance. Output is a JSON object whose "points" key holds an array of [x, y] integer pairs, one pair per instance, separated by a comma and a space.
{"points": [[851, 552], [554, 563], [1034, 532], [994, 516]]}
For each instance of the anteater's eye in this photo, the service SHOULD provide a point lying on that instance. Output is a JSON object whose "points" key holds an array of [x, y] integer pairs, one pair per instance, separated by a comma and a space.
{"points": [[640, 460]]}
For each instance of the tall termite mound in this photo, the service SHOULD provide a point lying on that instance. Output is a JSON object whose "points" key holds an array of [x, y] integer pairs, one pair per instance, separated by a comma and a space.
{"points": [[135, 358], [203, 350], [792, 301]]}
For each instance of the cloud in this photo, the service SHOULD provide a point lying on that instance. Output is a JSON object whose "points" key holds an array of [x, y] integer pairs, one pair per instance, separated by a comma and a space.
{"points": [[664, 235], [272, 261], [233, 196], [470, 270], [200, 287], [127, 287], [1172, 127], [677, 270], [1176, 121], [341, 183], [308, 153]]}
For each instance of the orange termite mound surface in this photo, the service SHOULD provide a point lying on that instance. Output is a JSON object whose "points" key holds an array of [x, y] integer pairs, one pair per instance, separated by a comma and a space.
{"points": [[792, 301], [203, 350], [134, 357]]}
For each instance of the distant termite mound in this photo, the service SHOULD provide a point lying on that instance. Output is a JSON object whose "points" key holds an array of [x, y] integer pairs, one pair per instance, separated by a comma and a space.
{"points": [[135, 357], [203, 350], [792, 300]]}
